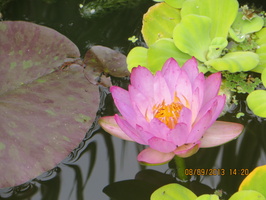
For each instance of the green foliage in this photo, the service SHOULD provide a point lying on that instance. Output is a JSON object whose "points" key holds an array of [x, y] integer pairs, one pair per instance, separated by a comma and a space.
{"points": [[192, 36], [247, 195], [256, 181], [175, 3], [208, 197], [252, 187], [221, 13], [261, 50], [159, 22], [173, 191], [256, 101], [219, 34], [240, 82], [235, 62]]}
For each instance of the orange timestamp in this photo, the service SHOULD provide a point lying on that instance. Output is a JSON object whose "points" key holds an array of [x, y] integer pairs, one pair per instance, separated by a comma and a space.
{"points": [[216, 172]]}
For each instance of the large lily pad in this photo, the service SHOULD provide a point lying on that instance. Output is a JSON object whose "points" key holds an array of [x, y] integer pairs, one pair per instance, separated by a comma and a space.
{"points": [[46, 103]]}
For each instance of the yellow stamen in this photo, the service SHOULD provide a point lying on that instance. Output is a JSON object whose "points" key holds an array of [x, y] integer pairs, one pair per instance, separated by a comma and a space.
{"points": [[168, 114]]}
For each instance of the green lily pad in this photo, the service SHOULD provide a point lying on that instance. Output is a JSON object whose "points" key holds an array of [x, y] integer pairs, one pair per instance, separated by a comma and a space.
{"points": [[159, 22], [192, 35], [235, 62], [247, 195], [160, 51], [46, 103], [256, 101], [256, 181], [221, 13], [173, 191]]}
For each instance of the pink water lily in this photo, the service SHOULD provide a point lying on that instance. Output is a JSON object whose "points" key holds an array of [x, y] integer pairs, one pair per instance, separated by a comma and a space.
{"points": [[173, 112]]}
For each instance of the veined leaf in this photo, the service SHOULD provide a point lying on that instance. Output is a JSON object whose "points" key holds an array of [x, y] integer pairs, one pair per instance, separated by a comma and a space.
{"points": [[208, 197], [46, 103], [161, 50], [175, 3], [247, 195], [216, 47], [256, 101], [222, 13], [192, 36], [173, 191], [261, 50], [137, 56], [235, 62], [242, 27], [256, 180], [159, 22]]}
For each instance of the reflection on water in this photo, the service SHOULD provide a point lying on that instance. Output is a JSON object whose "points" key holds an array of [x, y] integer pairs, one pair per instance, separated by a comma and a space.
{"points": [[102, 159]]}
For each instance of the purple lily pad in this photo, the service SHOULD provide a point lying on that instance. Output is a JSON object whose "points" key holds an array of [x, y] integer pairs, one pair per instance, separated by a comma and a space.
{"points": [[99, 59], [45, 109]]}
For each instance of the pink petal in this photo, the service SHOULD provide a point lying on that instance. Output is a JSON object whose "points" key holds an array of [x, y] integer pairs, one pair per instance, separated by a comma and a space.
{"points": [[151, 156], [191, 67], [161, 90], [109, 124], [171, 71], [141, 104], [199, 128], [179, 134], [123, 103], [221, 132], [159, 129], [143, 80], [197, 95], [216, 106], [212, 87], [187, 150], [132, 132], [185, 117], [161, 145], [183, 88]]}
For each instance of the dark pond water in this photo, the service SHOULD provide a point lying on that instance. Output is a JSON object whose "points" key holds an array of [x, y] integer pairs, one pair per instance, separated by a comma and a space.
{"points": [[100, 159]]}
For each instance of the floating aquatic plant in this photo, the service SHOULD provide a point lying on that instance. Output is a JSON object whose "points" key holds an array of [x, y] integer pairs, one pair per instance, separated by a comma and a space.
{"points": [[46, 103], [252, 187], [221, 35]]}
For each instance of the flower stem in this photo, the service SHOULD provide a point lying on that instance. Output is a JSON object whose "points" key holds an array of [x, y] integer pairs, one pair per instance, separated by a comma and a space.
{"points": [[180, 168]]}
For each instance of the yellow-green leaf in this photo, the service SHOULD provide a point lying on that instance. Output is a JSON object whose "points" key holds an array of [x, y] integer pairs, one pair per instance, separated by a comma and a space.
{"points": [[192, 35], [173, 191], [256, 180], [159, 22], [247, 195], [161, 50], [256, 101], [235, 62], [137, 56], [222, 13]]}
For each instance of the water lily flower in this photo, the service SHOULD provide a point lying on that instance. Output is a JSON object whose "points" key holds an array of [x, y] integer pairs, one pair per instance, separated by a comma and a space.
{"points": [[173, 112]]}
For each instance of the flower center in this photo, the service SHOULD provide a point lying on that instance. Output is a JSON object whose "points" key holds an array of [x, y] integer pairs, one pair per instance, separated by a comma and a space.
{"points": [[168, 114]]}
